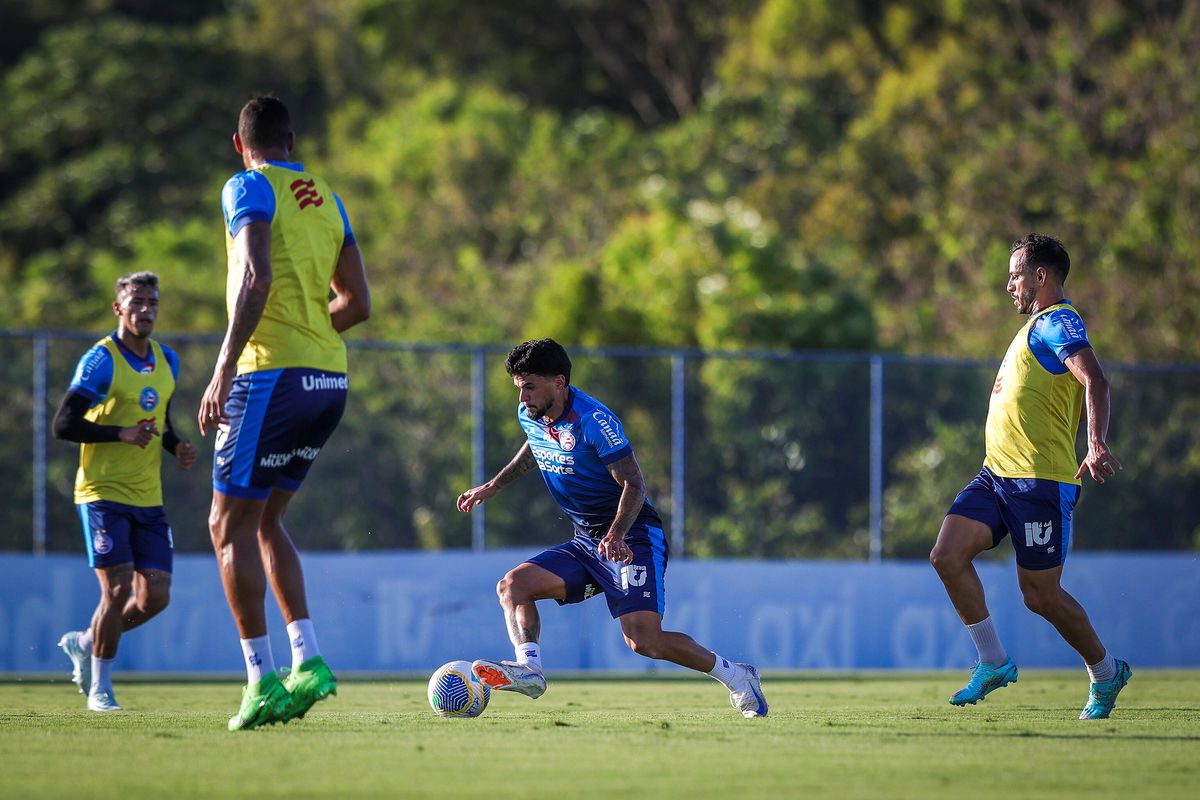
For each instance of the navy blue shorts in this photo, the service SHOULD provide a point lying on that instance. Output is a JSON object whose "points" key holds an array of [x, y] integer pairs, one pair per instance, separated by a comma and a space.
{"points": [[1038, 512], [115, 533], [638, 586], [279, 419]]}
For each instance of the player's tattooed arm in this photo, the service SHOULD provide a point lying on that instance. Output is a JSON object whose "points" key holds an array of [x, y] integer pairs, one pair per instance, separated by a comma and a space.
{"points": [[628, 474], [522, 463], [253, 246]]}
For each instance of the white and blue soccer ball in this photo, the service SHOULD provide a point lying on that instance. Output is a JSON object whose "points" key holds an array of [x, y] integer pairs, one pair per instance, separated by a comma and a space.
{"points": [[454, 691]]}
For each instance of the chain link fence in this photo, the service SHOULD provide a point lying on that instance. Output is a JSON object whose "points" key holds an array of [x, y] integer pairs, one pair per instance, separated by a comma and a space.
{"points": [[754, 454]]}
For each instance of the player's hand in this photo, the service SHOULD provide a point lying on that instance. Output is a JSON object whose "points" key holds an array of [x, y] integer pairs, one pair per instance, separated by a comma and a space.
{"points": [[1099, 462], [141, 434], [473, 497], [212, 404], [614, 548], [185, 454]]}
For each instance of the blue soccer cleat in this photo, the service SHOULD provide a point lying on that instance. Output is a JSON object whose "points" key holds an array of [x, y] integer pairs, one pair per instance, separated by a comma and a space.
{"points": [[1102, 698], [985, 679]]}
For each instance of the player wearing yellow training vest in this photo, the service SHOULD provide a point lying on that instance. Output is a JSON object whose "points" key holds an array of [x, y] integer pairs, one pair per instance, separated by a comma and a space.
{"points": [[119, 399], [1030, 479], [277, 393]]}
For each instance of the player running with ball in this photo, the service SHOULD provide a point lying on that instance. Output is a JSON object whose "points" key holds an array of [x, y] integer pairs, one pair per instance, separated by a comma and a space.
{"points": [[618, 548]]}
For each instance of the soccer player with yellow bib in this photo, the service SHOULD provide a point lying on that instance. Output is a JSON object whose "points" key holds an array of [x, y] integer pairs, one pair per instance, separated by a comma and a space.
{"points": [[276, 395], [1030, 480], [118, 399]]}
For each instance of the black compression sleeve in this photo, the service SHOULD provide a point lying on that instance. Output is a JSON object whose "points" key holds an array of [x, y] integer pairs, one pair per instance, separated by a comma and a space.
{"points": [[170, 440], [70, 425]]}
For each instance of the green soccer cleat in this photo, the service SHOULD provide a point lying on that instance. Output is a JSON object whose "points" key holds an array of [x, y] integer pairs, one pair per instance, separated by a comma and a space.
{"points": [[1102, 698], [262, 704], [985, 679], [308, 684]]}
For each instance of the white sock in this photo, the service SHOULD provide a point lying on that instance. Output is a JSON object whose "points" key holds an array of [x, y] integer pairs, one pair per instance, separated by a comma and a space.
{"points": [[529, 654], [101, 674], [1103, 670], [304, 642], [85, 640], [987, 641], [259, 661], [725, 671]]}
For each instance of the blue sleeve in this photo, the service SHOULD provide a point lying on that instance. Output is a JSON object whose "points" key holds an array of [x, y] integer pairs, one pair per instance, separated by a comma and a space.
{"points": [[349, 234], [93, 374], [172, 359], [247, 197], [602, 430], [1062, 333]]}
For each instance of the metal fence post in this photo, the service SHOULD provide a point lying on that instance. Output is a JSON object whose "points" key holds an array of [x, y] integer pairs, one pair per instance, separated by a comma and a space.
{"points": [[876, 459], [678, 452], [41, 357], [478, 390]]}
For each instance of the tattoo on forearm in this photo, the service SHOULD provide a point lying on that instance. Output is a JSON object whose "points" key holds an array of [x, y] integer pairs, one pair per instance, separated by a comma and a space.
{"points": [[523, 462], [628, 474]]}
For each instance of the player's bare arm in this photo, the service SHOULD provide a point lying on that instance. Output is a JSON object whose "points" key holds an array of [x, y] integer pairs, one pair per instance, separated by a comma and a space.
{"points": [[253, 244], [1099, 461], [628, 474], [522, 463], [351, 303]]}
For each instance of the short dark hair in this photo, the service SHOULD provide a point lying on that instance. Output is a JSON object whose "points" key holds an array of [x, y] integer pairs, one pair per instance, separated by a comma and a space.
{"points": [[1044, 251], [136, 280], [264, 123], [544, 357]]}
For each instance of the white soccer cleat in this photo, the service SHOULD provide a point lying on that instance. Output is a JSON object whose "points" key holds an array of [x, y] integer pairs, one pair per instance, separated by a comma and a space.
{"points": [[81, 660], [510, 676], [745, 693], [103, 700]]}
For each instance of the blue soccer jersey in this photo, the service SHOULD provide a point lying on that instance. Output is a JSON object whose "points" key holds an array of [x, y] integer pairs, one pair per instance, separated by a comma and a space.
{"points": [[573, 453], [1057, 336]]}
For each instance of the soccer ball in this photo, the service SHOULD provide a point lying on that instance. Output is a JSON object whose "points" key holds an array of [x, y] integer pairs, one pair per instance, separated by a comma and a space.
{"points": [[454, 691]]}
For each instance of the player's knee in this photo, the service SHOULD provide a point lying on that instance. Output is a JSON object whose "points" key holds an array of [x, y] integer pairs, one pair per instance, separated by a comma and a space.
{"points": [[945, 561], [506, 587], [644, 644], [156, 600], [1040, 601], [118, 592]]}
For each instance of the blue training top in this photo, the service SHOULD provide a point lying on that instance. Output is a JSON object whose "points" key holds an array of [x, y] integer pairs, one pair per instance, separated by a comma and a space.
{"points": [[1057, 336], [573, 453]]}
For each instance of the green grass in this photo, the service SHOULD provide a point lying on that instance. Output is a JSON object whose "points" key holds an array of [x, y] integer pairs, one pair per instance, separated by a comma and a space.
{"points": [[875, 736]]}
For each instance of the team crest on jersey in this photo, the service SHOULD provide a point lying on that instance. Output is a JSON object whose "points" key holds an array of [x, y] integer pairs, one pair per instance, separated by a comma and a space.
{"points": [[566, 439], [102, 543], [149, 399]]}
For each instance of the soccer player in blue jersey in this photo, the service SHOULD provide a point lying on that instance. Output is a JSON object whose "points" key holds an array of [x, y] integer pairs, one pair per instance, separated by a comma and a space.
{"points": [[120, 394], [618, 550], [1050, 378], [276, 395]]}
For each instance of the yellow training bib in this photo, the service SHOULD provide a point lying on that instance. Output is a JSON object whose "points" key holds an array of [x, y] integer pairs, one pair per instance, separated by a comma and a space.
{"points": [[116, 471], [1033, 415]]}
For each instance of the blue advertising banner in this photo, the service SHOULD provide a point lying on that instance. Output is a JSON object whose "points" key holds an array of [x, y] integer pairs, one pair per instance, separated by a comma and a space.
{"points": [[409, 612]]}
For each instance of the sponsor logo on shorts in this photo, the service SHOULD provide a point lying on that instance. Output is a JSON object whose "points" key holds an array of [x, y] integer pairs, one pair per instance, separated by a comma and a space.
{"points": [[273, 460], [323, 383], [589, 590], [170, 538], [1038, 533], [102, 543], [633, 575], [149, 399]]}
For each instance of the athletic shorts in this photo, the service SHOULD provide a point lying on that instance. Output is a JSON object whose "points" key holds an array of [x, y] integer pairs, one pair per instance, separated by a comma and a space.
{"points": [[1036, 511], [279, 419], [638, 586], [115, 533]]}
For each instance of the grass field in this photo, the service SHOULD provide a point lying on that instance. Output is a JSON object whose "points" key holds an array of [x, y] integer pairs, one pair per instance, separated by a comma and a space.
{"points": [[876, 736]]}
